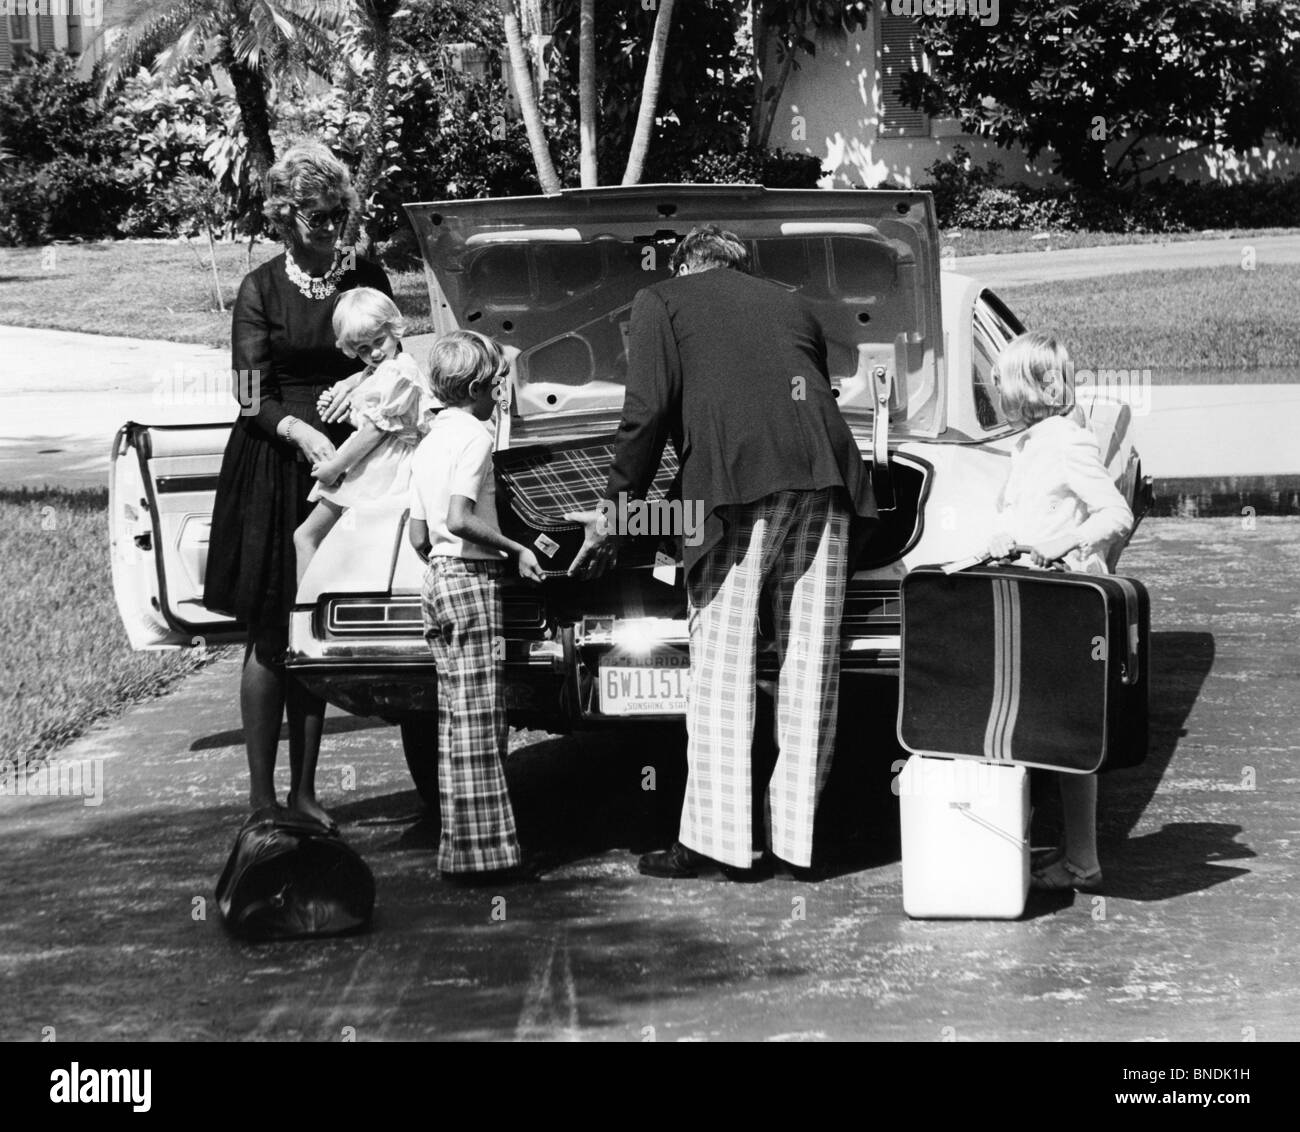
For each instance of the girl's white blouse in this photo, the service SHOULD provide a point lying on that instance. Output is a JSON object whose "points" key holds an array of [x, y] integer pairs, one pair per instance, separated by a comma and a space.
{"points": [[1058, 485]]}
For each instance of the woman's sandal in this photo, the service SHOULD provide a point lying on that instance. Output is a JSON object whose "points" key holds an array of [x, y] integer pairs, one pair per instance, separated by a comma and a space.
{"points": [[1063, 874], [1039, 859]]}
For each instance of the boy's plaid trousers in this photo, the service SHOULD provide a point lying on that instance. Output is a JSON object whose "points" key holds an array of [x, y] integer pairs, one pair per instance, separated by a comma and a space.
{"points": [[461, 603], [790, 549]]}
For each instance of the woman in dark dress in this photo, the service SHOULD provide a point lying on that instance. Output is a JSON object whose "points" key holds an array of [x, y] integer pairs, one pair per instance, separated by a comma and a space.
{"points": [[284, 351]]}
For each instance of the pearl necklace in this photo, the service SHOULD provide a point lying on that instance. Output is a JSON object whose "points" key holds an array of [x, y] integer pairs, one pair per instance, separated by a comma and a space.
{"points": [[311, 286]]}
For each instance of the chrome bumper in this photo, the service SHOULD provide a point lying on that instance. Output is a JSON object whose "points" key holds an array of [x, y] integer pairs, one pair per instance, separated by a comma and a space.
{"points": [[548, 678]]}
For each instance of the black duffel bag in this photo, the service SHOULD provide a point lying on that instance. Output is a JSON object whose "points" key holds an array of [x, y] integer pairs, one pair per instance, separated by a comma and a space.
{"points": [[289, 877]]}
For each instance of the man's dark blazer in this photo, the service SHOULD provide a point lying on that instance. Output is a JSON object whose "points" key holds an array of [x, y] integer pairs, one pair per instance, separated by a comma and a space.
{"points": [[733, 369]]}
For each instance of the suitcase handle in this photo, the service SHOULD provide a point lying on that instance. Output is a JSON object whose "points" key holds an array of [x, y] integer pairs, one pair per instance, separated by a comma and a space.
{"points": [[1054, 564], [974, 560]]}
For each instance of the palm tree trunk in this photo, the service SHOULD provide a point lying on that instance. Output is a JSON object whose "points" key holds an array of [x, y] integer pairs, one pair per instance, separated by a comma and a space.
{"points": [[372, 147], [587, 93], [654, 73], [250, 95], [523, 80], [759, 34]]}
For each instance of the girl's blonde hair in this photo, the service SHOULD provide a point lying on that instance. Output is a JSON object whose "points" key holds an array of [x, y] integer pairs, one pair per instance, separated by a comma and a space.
{"points": [[1035, 378], [364, 313], [459, 360]]}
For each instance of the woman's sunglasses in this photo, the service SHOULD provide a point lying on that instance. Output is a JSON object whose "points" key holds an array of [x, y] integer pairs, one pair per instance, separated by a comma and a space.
{"points": [[319, 221]]}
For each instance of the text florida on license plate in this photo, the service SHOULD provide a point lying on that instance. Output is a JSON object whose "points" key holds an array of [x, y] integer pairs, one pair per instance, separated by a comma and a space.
{"points": [[644, 685]]}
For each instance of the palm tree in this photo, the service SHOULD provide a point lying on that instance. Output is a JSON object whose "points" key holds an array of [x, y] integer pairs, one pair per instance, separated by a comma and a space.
{"points": [[379, 15], [654, 73], [256, 42], [587, 93], [523, 80]]}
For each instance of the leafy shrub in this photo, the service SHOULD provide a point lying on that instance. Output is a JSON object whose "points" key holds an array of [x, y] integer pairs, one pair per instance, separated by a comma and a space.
{"points": [[774, 168], [166, 130], [957, 181], [81, 168], [966, 197], [60, 178]]}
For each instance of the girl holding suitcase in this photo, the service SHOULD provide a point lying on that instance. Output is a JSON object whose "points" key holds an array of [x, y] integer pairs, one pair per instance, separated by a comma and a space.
{"points": [[1060, 502]]}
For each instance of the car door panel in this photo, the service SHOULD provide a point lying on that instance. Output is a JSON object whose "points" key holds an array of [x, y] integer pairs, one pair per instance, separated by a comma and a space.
{"points": [[162, 483]]}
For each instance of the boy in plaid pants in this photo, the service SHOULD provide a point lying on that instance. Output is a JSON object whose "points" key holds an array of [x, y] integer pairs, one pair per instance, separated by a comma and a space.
{"points": [[454, 529]]}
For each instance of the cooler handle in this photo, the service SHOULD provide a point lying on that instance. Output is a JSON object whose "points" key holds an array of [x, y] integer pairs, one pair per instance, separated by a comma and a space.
{"points": [[964, 809]]}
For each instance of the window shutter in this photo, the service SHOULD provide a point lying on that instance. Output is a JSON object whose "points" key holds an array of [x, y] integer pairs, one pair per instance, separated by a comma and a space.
{"points": [[44, 32], [900, 53]]}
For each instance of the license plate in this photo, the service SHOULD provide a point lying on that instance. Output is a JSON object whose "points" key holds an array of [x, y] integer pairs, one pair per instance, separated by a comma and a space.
{"points": [[644, 685]]}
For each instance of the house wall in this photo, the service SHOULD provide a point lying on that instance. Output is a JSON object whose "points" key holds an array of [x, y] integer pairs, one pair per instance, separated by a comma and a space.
{"points": [[66, 25], [833, 108]]}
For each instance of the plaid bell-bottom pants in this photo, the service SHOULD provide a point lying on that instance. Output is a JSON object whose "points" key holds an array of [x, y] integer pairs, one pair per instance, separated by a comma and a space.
{"points": [[789, 549], [461, 605]]}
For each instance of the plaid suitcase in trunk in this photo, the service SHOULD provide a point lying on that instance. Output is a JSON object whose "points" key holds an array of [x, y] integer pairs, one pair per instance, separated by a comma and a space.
{"points": [[538, 484], [1038, 667]]}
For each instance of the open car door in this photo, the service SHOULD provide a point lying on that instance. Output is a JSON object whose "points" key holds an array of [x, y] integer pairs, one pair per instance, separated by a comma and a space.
{"points": [[162, 482]]}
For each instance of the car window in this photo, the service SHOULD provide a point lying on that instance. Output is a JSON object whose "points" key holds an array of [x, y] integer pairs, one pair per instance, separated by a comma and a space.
{"points": [[994, 327]]}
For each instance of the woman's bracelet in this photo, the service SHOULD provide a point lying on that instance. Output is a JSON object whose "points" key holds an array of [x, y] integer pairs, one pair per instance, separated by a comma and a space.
{"points": [[285, 428]]}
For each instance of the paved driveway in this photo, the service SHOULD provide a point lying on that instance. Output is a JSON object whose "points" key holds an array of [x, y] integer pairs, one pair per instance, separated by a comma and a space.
{"points": [[108, 928]]}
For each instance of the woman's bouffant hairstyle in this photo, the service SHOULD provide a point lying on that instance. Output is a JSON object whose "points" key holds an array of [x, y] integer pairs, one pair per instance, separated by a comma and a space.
{"points": [[306, 170], [709, 246], [362, 314], [460, 359], [1035, 378]]}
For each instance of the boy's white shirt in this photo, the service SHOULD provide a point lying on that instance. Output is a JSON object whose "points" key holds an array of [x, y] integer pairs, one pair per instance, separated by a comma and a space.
{"points": [[1058, 486], [455, 458]]}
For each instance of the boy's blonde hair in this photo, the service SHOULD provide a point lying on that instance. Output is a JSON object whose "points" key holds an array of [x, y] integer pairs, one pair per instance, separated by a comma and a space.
{"points": [[461, 359], [364, 313], [1035, 378]]}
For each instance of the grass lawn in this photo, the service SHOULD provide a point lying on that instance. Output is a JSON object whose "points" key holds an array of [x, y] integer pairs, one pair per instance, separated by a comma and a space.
{"points": [[1001, 241], [147, 289], [1173, 322], [1186, 321], [62, 647]]}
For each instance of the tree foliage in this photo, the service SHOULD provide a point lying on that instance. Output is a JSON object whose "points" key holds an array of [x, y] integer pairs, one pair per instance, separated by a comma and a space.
{"points": [[260, 44], [1079, 76], [703, 93]]}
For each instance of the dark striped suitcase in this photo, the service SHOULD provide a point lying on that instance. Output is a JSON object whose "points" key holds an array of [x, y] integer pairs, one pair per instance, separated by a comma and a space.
{"points": [[1042, 668]]}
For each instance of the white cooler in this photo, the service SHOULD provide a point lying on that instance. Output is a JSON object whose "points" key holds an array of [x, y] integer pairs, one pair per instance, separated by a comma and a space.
{"points": [[965, 828]]}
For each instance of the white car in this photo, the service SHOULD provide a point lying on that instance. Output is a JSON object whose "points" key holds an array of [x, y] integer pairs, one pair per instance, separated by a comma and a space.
{"points": [[553, 279]]}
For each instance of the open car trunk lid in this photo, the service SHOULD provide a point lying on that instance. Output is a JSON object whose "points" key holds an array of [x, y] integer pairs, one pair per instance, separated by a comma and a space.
{"points": [[553, 279]]}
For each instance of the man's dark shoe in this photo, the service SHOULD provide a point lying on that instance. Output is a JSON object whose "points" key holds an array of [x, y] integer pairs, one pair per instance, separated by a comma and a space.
{"points": [[760, 870], [681, 863], [808, 874], [675, 863]]}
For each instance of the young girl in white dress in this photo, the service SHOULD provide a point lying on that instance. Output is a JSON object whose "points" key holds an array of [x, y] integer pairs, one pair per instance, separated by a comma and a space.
{"points": [[1060, 502], [390, 410]]}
